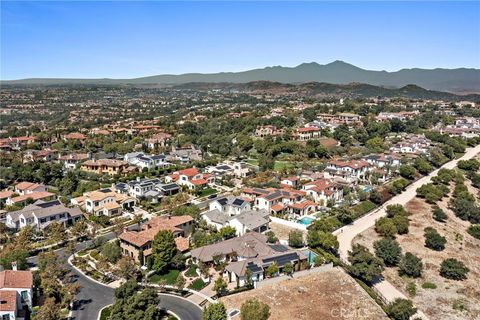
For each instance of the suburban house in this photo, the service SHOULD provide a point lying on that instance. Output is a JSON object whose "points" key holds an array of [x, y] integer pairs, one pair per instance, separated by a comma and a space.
{"points": [[23, 188], [107, 166], [17, 142], [33, 196], [158, 140], [264, 131], [38, 155], [237, 169], [191, 178], [290, 182], [76, 136], [16, 293], [383, 160], [273, 200], [142, 160], [138, 244], [324, 191], [105, 202], [70, 161], [341, 118], [307, 133], [249, 252], [412, 143], [351, 171], [236, 212], [150, 189], [41, 214], [185, 155]]}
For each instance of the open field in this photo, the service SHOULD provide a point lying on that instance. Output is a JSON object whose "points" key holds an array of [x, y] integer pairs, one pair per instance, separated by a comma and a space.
{"points": [[326, 295], [282, 231], [437, 303]]}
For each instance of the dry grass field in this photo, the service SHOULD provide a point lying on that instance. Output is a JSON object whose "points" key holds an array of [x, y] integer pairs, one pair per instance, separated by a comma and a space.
{"points": [[325, 295]]}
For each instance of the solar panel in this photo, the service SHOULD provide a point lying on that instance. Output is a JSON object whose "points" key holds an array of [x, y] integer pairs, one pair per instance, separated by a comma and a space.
{"points": [[238, 202], [223, 201], [278, 247], [253, 267]]}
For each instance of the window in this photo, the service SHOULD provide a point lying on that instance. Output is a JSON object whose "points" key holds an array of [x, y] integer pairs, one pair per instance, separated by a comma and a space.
{"points": [[6, 317], [24, 295]]}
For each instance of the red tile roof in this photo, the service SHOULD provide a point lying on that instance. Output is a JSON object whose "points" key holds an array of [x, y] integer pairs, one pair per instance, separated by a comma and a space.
{"points": [[16, 279], [8, 300], [188, 172]]}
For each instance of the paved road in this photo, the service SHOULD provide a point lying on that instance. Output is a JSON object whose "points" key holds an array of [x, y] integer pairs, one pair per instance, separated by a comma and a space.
{"points": [[183, 308], [346, 234]]}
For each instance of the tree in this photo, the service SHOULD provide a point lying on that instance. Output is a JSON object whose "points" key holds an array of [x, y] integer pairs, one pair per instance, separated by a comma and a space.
{"points": [[401, 309], [453, 269], [407, 171], [401, 222], [126, 268], [164, 249], [438, 214], [271, 237], [375, 145], [434, 240], [422, 165], [364, 265], [325, 240], [136, 305], [253, 309], [48, 311], [112, 251], [288, 268], [388, 250], [295, 238], [395, 209], [474, 231], [272, 269], [227, 232], [220, 286], [386, 227], [180, 282], [410, 265], [215, 311]]}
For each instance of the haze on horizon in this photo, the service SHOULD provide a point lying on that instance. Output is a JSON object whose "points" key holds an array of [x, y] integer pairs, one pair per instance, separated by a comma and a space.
{"points": [[129, 40]]}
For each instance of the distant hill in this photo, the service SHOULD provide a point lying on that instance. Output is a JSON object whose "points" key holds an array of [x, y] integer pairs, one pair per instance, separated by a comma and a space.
{"points": [[460, 80], [320, 89]]}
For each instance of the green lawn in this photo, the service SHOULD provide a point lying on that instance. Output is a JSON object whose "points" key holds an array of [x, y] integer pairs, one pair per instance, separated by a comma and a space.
{"points": [[105, 313], [191, 272], [206, 192], [253, 162], [169, 277], [363, 207], [197, 284], [280, 165]]}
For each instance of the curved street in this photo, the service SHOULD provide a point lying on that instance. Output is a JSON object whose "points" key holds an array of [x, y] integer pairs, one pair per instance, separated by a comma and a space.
{"points": [[183, 308]]}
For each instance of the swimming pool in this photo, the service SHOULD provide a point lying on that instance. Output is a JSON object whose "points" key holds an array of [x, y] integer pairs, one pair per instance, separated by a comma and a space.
{"points": [[310, 256], [306, 221]]}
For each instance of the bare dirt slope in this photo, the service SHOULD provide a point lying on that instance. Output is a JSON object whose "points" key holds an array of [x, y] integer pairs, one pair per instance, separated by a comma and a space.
{"points": [[326, 295]]}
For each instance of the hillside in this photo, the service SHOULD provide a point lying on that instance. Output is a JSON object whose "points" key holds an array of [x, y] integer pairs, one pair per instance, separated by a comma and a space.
{"points": [[460, 80]]}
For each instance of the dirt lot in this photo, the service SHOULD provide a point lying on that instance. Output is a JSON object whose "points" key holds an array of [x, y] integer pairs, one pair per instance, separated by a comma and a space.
{"points": [[438, 303], [326, 295], [282, 231]]}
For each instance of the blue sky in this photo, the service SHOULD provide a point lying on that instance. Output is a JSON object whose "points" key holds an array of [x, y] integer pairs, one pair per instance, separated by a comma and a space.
{"points": [[133, 39]]}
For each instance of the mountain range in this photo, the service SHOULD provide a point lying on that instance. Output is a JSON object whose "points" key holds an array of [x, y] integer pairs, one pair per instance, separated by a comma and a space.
{"points": [[460, 81]]}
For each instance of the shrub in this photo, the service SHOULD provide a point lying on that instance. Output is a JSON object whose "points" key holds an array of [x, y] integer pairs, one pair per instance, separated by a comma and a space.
{"points": [[438, 214], [271, 237], [401, 222], [395, 209], [474, 231], [411, 289], [364, 264], [407, 171], [429, 285], [410, 265], [254, 309], [386, 227], [453, 269], [295, 238], [433, 240], [401, 309], [388, 250]]}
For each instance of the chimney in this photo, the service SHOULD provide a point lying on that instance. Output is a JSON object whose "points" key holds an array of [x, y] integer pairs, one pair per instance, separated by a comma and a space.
{"points": [[14, 265]]}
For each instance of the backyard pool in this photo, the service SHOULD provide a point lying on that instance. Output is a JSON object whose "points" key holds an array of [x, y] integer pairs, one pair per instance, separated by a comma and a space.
{"points": [[306, 221], [310, 255]]}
